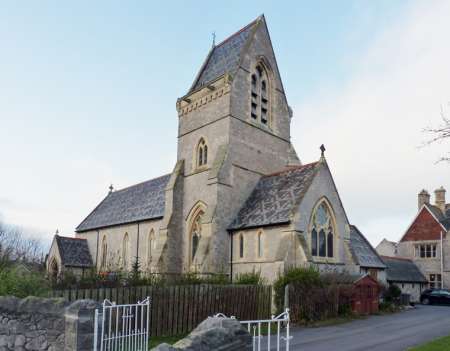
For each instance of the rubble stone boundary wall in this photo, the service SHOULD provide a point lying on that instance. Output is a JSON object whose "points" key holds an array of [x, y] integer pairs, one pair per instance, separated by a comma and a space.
{"points": [[46, 324]]}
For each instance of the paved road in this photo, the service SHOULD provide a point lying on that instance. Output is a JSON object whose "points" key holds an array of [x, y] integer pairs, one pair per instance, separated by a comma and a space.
{"points": [[395, 332]]}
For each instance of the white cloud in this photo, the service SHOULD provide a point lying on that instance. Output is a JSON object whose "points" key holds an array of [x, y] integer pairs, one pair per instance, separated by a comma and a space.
{"points": [[372, 126]]}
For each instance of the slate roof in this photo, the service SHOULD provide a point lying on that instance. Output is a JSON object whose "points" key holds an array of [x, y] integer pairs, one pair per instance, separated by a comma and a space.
{"points": [[443, 218], [402, 270], [74, 252], [364, 253], [139, 202], [274, 197], [223, 57]]}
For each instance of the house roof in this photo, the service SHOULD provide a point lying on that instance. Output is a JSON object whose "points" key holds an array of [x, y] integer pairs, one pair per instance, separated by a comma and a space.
{"points": [[139, 202], [223, 57], [363, 252], [74, 252], [274, 197], [443, 218], [402, 270]]}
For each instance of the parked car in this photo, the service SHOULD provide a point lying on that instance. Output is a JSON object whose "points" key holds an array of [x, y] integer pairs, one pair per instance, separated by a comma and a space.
{"points": [[435, 296]]}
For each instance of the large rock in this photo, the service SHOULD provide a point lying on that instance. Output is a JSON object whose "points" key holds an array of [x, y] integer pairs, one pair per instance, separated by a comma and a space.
{"points": [[222, 334]]}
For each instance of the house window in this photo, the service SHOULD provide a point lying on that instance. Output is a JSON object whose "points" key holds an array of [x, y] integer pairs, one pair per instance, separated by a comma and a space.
{"points": [[104, 258], [151, 246], [125, 251], [259, 104], [260, 248], [202, 153], [435, 281], [241, 246], [425, 251], [322, 232]]}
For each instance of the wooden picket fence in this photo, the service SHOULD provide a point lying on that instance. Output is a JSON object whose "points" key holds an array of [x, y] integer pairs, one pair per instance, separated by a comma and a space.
{"points": [[177, 310]]}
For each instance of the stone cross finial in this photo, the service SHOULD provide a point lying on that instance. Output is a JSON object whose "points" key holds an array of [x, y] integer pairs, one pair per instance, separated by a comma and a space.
{"points": [[213, 39], [111, 188], [322, 149], [57, 232]]}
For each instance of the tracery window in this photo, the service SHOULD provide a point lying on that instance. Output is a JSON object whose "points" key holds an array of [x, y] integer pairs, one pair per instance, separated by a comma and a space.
{"points": [[259, 95], [202, 153], [322, 232]]}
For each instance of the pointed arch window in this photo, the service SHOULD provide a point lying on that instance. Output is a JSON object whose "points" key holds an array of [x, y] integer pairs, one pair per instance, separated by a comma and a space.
{"points": [[151, 246], [241, 245], [125, 250], [104, 256], [322, 232], [196, 232], [202, 153], [259, 104], [260, 247]]}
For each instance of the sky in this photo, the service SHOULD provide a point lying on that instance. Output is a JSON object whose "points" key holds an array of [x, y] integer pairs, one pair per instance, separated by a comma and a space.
{"points": [[88, 93]]}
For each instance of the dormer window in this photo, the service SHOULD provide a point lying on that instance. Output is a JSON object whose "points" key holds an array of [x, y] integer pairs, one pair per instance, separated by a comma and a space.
{"points": [[260, 96], [202, 153]]}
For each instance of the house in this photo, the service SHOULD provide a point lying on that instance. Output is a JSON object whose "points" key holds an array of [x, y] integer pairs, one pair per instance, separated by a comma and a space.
{"points": [[387, 248], [366, 257], [403, 273], [426, 240], [238, 199]]}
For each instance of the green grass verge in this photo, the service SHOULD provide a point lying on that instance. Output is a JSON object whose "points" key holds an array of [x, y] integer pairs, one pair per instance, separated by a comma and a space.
{"points": [[441, 344]]}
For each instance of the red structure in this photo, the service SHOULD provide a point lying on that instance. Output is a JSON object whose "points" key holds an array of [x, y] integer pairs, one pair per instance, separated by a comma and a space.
{"points": [[365, 297]]}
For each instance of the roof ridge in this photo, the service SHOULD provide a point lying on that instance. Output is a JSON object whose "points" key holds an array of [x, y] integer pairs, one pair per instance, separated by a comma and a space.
{"points": [[398, 258], [289, 169], [70, 237], [238, 32], [140, 183]]}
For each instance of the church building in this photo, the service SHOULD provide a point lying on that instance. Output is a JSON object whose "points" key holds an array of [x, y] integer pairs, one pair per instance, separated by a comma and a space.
{"points": [[238, 198]]}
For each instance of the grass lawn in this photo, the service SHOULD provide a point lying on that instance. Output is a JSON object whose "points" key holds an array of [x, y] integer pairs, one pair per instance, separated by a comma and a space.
{"points": [[441, 344]]}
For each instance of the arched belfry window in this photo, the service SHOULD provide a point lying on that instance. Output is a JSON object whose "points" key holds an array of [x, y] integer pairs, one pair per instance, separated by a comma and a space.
{"points": [[322, 231], [104, 258], [241, 245], [202, 153], [260, 95], [125, 250]]}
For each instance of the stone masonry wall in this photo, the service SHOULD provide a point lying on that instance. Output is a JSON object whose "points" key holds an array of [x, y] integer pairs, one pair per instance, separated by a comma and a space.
{"points": [[45, 324]]}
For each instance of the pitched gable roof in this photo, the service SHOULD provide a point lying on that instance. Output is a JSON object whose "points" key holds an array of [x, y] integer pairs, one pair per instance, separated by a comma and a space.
{"points": [[427, 225], [402, 270], [139, 202], [224, 57], [274, 197], [74, 252], [364, 253]]}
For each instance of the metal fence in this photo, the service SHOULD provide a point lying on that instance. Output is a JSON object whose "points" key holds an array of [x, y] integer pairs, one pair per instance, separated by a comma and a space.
{"points": [[122, 327], [268, 334]]}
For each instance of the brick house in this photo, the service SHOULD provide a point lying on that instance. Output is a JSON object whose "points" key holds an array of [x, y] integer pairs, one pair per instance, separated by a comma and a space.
{"points": [[426, 240]]}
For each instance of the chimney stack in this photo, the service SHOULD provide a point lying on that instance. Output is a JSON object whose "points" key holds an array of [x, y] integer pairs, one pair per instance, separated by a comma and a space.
{"points": [[423, 198], [439, 196]]}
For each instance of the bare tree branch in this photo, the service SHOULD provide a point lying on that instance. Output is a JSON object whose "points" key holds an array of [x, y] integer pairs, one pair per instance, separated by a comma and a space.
{"points": [[439, 133]]}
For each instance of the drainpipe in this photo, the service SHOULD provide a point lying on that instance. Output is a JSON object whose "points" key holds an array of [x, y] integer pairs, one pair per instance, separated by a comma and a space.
{"points": [[137, 244], [442, 261]]}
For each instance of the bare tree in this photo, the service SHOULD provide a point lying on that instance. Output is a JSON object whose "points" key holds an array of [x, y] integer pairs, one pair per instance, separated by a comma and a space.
{"points": [[15, 246], [441, 132]]}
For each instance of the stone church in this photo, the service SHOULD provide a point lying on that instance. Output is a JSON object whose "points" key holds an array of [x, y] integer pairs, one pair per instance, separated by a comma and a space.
{"points": [[238, 199]]}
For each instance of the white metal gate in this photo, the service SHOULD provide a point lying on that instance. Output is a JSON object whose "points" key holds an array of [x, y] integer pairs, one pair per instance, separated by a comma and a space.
{"points": [[122, 327], [261, 331]]}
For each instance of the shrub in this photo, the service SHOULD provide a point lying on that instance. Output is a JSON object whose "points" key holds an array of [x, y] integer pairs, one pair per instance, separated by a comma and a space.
{"points": [[250, 278], [305, 277], [22, 284], [392, 294]]}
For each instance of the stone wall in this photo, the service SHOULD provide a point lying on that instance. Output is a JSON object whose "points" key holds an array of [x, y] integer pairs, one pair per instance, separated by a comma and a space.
{"points": [[220, 334], [45, 324]]}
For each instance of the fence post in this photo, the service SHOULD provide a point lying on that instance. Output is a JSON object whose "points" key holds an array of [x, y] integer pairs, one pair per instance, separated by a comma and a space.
{"points": [[286, 296]]}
